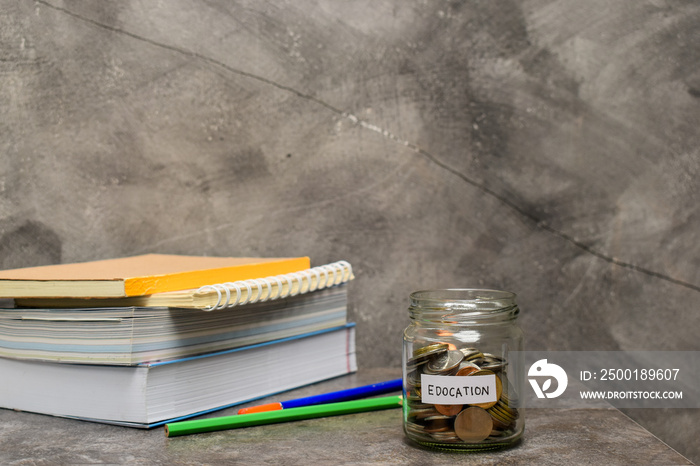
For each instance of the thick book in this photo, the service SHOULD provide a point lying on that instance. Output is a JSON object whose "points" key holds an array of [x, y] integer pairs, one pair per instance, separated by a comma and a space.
{"points": [[132, 335], [149, 395], [138, 275]]}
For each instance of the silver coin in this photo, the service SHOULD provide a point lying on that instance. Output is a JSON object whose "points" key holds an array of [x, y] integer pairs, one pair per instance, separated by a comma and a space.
{"points": [[423, 413], [445, 363], [413, 378], [438, 417], [414, 428], [449, 436], [493, 363], [469, 351], [464, 364]]}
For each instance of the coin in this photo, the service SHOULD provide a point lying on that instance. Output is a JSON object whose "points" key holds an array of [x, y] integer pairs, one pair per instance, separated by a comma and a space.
{"points": [[424, 412], [445, 363], [448, 436], [472, 354], [413, 364], [448, 410], [500, 417], [498, 424], [413, 427], [436, 417], [509, 413], [500, 421], [493, 363], [418, 405], [413, 397], [467, 370], [430, 350], [505, 399], [413, 378], [423, 354], [473, 424], [437, 425]]}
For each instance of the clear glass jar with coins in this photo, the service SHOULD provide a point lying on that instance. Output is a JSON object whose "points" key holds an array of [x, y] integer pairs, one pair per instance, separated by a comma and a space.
{"points": [[461, 391]]}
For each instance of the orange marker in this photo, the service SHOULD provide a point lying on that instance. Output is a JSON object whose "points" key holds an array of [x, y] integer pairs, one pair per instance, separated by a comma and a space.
{"points": [[333, 397], [261, 408]]}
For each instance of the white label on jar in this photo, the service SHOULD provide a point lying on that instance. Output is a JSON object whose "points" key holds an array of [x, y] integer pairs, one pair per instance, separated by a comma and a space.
{"points": [[452, 390]]}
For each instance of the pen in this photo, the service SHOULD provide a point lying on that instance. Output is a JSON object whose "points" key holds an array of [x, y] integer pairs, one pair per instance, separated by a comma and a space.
{"points": [[332, 397], [291, 414]]}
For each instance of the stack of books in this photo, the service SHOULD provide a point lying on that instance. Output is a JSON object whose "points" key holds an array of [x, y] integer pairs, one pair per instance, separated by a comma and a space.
{"points": [[145, 340]]}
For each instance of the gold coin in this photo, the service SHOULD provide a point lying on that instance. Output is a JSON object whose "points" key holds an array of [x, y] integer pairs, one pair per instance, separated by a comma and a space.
{"points": [[473, 424], [474, 356], [430, 350], [510, 413], [499, 421]]}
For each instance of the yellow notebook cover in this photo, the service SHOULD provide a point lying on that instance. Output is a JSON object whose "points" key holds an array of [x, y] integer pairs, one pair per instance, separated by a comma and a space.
{"points": [[139, 275], [216, 295]]}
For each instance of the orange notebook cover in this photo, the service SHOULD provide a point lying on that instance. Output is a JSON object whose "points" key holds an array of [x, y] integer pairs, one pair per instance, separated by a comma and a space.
{"points": [[139, 275]]}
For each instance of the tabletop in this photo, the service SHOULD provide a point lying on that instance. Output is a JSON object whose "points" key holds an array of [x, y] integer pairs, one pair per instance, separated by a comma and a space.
{"points": [[552, 436]]}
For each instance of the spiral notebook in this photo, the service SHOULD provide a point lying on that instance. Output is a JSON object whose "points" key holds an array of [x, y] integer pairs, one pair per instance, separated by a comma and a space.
{"points": [[140, 275], [217, 296]]}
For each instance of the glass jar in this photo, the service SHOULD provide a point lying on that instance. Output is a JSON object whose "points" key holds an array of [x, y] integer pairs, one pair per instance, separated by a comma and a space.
{"points": [[460, 388]]}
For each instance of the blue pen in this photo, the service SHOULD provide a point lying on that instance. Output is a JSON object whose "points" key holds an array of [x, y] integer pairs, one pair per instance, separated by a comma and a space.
{"points": [[332, 397]]}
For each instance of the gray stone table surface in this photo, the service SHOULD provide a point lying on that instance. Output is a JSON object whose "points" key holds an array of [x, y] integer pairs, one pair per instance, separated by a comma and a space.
{"points": [[555, 436]]}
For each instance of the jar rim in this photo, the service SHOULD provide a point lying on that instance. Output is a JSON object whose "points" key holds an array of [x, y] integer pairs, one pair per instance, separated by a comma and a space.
{"points": [[470, 303], [472, 295]]}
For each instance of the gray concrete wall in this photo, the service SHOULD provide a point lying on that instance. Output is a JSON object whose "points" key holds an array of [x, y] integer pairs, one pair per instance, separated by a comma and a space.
{"points": [[550, 148]]}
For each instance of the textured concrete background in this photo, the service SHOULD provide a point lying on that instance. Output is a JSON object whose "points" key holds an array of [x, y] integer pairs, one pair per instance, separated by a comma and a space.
{"points": [[550, 148]]}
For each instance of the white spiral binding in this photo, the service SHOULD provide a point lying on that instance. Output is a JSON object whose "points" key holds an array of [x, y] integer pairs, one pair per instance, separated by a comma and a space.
{"points": [[279, 285], [341, 272]]}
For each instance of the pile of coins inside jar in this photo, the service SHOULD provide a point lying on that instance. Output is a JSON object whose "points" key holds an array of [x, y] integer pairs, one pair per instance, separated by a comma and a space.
{"points": [[471, 423]]}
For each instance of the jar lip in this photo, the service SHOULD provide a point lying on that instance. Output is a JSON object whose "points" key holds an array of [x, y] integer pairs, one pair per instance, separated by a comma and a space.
{"points": [[467, 295], [463, 304]]}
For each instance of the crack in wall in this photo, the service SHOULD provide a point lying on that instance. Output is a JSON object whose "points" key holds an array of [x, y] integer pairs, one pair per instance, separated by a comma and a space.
{"points": [[389, 135]]}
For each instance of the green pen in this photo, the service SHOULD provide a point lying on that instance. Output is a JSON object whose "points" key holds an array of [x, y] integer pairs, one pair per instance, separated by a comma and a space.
{"points": [[285, 415]]}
